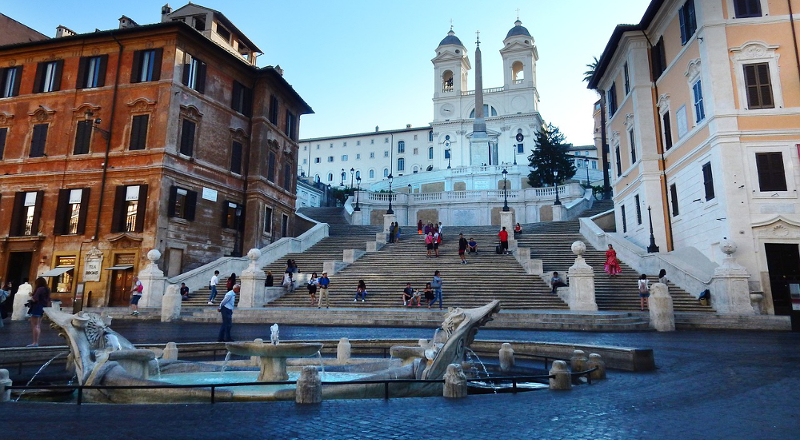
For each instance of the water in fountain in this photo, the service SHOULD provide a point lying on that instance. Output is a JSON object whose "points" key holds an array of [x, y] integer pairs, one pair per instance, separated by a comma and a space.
{"points": [[225, 363], [158, 368], [321, 366], [37, 373], [485, 371]]}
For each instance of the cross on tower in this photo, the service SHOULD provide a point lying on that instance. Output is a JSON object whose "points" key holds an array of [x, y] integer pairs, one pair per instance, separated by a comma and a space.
{"points": [[478, 36], [517, 13], [451, 24]]}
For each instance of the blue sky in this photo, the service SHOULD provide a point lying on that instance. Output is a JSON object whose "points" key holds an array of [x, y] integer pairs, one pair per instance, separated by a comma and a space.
{"points": [[365, 63]]}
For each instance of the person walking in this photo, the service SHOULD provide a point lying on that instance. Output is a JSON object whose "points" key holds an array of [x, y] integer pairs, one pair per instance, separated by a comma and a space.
{"points": [[419, 227], [136, 295], [39, 300], [312, 287], [612, 262], [361, 290], [226, 309], [288, 282], [324, 282], [436, 284], [644, 291], [230, 282], [503, 234], [440, 230], [397, 232], [462, 248], [436, 240], [429, 243], [213, 285], [391, 232]]}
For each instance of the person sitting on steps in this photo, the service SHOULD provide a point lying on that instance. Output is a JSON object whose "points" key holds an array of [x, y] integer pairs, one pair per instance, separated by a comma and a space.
{"points": [[409, 295], [472, 245], [556, 282]]}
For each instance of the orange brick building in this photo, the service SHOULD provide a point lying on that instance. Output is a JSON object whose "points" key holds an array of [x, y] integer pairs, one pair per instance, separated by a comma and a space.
{"points": [[145, 137]]}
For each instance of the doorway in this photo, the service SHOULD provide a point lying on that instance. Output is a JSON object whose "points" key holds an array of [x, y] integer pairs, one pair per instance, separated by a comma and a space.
{"points": [[121, 282], [783, 263], [19, 268]]}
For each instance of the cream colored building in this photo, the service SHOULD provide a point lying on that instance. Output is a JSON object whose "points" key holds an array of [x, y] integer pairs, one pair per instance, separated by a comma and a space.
{"points": [[703, 125]]}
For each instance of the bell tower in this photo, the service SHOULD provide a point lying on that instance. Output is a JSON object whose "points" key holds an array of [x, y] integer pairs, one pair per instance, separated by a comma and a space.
{"points": [[450, 75], [519, 60]]}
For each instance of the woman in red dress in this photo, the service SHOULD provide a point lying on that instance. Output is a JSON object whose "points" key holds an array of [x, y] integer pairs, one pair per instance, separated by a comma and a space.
{"points": [[612, 266]]}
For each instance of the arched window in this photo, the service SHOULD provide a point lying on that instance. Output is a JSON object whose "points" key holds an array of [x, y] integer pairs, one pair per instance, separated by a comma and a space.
{"points": [[330, 177], [430, 153], [401, 164], [517, 72], [401, 146], [386, 172], [415, 169], [316, 178], [447, 81], [488, 111], [371, 174], [358, 174], [430, 136]]}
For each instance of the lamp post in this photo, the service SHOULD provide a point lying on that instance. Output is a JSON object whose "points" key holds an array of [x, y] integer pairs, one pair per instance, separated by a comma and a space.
{"points": [[352, 172], [358, 181], [555, 175], [505, 192], [652, 248], [328, 196], [390, 210], [586, 162], [449, 158]]}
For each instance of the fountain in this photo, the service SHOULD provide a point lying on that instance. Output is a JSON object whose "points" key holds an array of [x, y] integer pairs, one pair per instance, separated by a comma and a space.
{"points": [[273, 356]]}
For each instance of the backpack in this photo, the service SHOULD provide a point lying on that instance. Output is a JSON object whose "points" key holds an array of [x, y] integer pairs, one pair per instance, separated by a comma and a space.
{"points": [[3, 296], [139, 287]]}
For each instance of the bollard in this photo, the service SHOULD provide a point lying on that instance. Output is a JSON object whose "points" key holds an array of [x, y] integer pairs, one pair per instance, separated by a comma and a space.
{"points": [[595, 360], [662, 314], [506, 357], [170, 352], [343, 351], [578, 361], [455, 382], [5, 395], [309, 386], [562, 380]]}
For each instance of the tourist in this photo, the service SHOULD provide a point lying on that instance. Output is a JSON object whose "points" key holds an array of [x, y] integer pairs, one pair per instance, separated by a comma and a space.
{"points": [[644, 291], [323, 283], [213, 285], [437, 289], [184, 291], [517, 230], [662, 276], [419, 227], [472, 245], [409, 295], [612, 262], [312, 288], [396, 232], [136, 294], [556, 281], [429, 243], [503, 234], [39, 300], [361, 290], [230, 282], [4, 294], [440, 230], [436, 240], [462, 248], [429, 294], [288, 282], [270, 281], [226, 309], [391, 232]]}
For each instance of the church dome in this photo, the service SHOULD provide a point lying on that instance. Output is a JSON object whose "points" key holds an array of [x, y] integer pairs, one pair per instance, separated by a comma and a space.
{"points": [[451, 39], [518, 29]]}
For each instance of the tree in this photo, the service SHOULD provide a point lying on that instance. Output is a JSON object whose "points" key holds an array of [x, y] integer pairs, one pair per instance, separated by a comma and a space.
{"points": [[587, 76], [549, 155]]}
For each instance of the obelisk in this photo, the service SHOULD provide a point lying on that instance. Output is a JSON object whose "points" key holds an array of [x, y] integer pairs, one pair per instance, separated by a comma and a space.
{"points": [[479, 141]]}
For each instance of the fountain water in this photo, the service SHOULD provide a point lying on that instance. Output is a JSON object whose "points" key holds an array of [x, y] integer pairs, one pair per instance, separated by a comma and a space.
{"points": [[45, 365], [225, 362], [158, 368], [321, 366]]}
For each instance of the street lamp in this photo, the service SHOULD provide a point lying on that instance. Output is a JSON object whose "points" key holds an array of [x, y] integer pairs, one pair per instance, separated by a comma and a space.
{"points": [[358, 180], [555, 175], [390, 210], [586, 162], [328, 196], [505, 192], [352, 171], [652, 248]]}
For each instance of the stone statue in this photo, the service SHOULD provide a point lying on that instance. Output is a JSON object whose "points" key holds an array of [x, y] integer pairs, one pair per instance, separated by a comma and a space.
{"points": [[273, 336]]}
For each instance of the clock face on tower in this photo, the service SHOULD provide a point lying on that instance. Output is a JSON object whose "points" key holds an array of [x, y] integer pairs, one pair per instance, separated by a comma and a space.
{"points": [[447, 110]]}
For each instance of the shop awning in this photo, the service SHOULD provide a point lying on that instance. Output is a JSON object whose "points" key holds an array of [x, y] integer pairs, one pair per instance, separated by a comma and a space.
{"points": [[57, 271], [120, 267]]}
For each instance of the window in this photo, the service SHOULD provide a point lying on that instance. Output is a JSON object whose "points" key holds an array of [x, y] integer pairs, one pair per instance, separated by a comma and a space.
{"points": [[627, 79], [638, 209], [83, 137], [287, 177], [688, 21], [232, 215], [344, 158], [146, 65], [26, 214], [273, 111], [385, 140], [48, 76], [358, 156], [236, 157], [771, 175], [182, 203], [187, 137], [372, 155], [658, 59], [619, 162], [194, 74], [415, 137], [330, 158], [673, 194], [401, 147], [386, 172], [317, 160], [267, 220], [447, 153], [224, 33], [3, 135], [430, 153], [385, 154], [699, 110], [130, 203], [291, 126], [624, 219], [242, 99], [139, 132], [430, 136], [747, 8], [666, 128], [401, 164], [372, 141], [9, 80], [520, 148], [271, 166], [488, 111], [92, 72], [330, 177], [759, 87], [344, 144], [284, 225], [612, 100], [708, 181], [633, 146], [331, 146], [358, 174], [358, 142], [39, 140], [371, 174], [416, 151]]}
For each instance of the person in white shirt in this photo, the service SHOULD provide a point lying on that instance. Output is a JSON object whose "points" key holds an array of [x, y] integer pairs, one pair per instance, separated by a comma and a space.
{"points": [[644, 291], [213, 285], [226, 309]]}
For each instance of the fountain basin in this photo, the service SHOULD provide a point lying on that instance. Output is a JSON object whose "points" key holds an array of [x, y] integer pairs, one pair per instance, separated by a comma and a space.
{"points": [[273, 356]]}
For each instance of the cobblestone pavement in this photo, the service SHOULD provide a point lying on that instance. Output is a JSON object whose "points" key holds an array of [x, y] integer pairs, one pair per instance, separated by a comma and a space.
{"points": [[708, 385]]}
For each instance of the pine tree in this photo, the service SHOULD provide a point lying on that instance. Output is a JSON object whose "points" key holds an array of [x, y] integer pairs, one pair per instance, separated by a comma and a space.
{"points": [[549, 155]]}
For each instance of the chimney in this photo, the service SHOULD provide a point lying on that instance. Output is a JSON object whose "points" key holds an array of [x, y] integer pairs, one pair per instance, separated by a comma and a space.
{"points": [[165, 11], [126, 22], [63, 31], [278, 69]]}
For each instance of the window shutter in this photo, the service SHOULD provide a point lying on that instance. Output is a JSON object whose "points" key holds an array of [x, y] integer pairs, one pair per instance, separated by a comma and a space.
{"points": [[84, 211], [37, 81], [683, 24], [186, 68], [61, 212], [236, 158], [708, 181], [136, 67], [83, 136], [191, 204], [187, 137], [101, 72], [139, 132], [247, 109], [673, 192], [237, 96], [3, 135], [37, 212], [173, 195], [38, 140], [157, 64], [80, 83], [16, 215], [667, 131], [17, 80], [765, 87], [142, 209], [57, 75], [201, 77], [118, 220]]}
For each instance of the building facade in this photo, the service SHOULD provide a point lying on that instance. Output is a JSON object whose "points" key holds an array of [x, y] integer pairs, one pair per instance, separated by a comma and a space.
{"points": [[116, 142], [702, 101]]}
